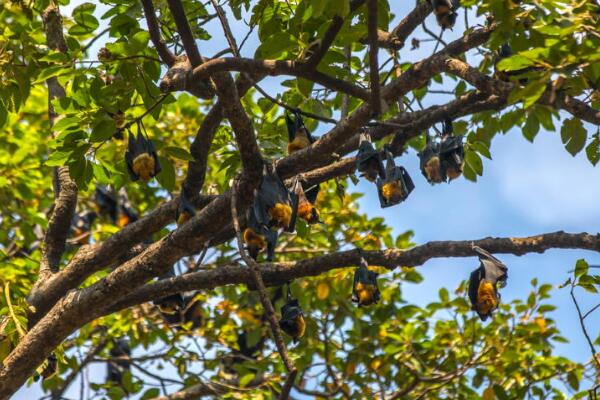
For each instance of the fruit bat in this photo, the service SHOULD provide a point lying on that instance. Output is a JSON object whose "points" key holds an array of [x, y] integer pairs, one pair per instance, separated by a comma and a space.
{"points": [[106, 203], [173, 304], [81, 225], [126, 216], [142, 161], [364, 289], [259, 237], [368, 160], [298, 136], [193, 312], [292, 319], [431, 166], [306, 202], [397, 184], [445, 12], [275, 206], [452, 153], [185, 209], [484, 283], [116, 368]]}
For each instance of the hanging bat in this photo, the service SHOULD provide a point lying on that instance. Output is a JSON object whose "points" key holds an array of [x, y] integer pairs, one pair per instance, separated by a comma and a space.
{"points": [[368, 160], [275, 206], [306, 202], [185, 209], [445, 12], [193, 312], [452, 152], [484, 283], [298, 135], [116, 368], [126, 215], [173, 304], [141, 159], [430, 164], [258, 237], [292, 319], [106, 203], [364, 288], [397, 184], [81, 226]]}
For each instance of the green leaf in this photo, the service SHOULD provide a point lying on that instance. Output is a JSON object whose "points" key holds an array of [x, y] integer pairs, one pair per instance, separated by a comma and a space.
{"points": [[514, 63], [178, 152], [581, 268], [167, 175], [58, 158], [573, 135], [482, 148], [528, 94], [473, 160], [103, 130], [592, 150]]}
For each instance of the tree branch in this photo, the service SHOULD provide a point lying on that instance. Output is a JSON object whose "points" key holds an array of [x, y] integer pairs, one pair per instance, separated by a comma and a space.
{"points": [[373, 55], [397, 37], [275, 274], [336, 24], [65, 189], [153, 28], [185, 32]]}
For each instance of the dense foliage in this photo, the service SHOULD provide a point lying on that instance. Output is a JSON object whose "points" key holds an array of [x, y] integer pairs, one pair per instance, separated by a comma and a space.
{"points": [[394, 348]]}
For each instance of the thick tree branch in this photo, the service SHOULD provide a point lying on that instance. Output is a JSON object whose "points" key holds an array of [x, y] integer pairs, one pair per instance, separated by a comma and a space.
{"points": [[65, 189], [397, 37], [275, 274], [153, 28], [274, 68]]}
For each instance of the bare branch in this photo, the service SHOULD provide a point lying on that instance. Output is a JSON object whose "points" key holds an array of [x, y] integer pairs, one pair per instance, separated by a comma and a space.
{"points": [[185, 32], [161, 48], [397, 37]]}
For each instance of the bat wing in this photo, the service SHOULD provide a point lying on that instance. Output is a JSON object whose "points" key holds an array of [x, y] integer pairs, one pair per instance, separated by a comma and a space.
{"points": [[294, 198], [271, 237], [407, 180], [312, 193], [474, 280]]}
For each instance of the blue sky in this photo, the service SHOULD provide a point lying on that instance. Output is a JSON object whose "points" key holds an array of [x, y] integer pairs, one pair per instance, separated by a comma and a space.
{"points": [[527, 189]]}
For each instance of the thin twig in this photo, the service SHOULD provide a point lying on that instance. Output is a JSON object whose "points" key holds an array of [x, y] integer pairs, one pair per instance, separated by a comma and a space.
{"points": [[583, 328], [373, 61]]}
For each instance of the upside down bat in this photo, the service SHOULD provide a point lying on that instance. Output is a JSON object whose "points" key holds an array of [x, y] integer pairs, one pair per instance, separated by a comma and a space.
{"points": [[452, 152], [445, 12], [368, 160], [365, 290], [258, 237], [292, 318], [116, 369], [173, 304], [81, 225], [185, 209], [298, 135], [106, 203], [430, 163], [397, 184], [141, 159], [306, 201], [275, 206], [484, 283]]}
